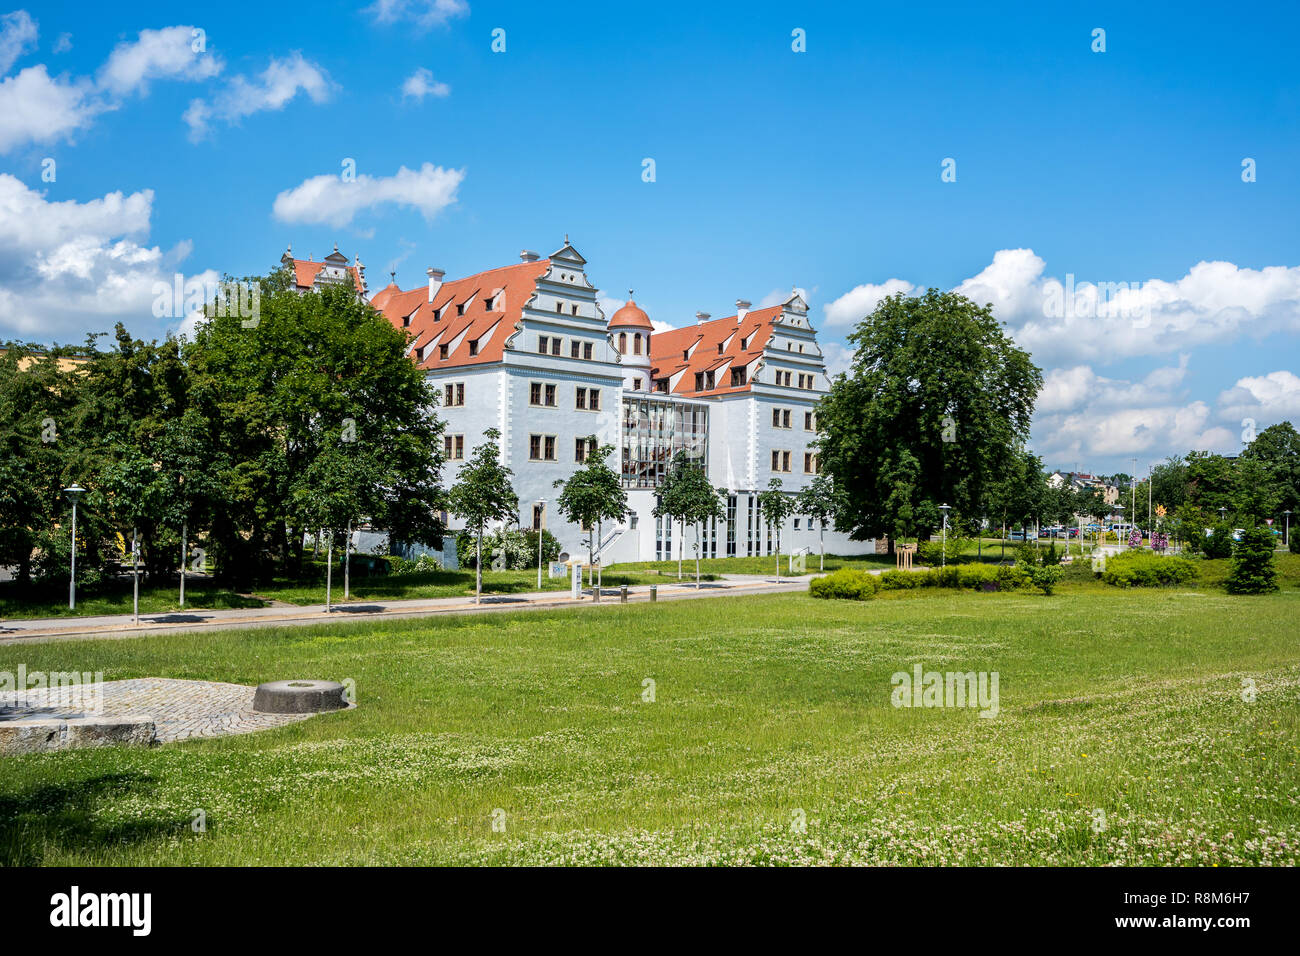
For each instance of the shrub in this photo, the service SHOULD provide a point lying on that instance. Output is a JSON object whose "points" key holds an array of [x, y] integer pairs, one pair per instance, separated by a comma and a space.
{"points": [[900, 580], [1219, 543], [1293, 544], [1026, 554], [550, 547], [1253, 570], [1142, 569], [932, 553], [421, 565], [1045, 576], [1051, 556], [846, 584]]}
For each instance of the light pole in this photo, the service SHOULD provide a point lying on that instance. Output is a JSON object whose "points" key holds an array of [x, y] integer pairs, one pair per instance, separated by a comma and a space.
{"points": [[541, 514], [943, 556], [1286, 538], [74, 492]]}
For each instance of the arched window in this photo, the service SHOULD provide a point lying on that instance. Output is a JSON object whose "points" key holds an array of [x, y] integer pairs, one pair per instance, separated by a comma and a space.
{"points": [[636, 343], [622, 342]]}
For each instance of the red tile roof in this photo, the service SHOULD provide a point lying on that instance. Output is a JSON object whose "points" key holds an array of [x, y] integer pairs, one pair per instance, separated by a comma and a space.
{"points": [[305, 272], [702, 340], [630, 316], [511, 287]]}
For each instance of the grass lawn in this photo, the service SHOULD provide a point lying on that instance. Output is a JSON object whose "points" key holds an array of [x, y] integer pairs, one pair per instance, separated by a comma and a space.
{"points": [[1122, 737]]}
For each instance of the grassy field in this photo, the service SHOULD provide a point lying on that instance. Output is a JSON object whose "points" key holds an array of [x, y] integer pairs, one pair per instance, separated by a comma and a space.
{"points": [[1124, 736]]}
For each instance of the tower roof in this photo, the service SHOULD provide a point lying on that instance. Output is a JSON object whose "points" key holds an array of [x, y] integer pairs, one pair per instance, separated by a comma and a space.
{"points": [[631, 316]]}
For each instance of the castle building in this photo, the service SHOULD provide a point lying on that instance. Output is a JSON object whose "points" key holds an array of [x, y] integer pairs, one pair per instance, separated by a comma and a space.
{"points": [[526, 349], [332, 270]]}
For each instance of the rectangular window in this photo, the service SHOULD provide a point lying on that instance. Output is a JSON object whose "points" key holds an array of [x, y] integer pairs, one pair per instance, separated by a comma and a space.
{"points": [[708, 380], [460, 308], [550, 396], [595, 399], [539, 514], [809, 463], [454, 394], [454, 447], [534, 447], [556, 345], [580, 399], [543, 344], [785, 461], [549, 448], [535, 393], [574, 347], [776, 461], [737, 377], [699, 381], [809, 422], [636, 385], [586, 350], [473, 347], [442, 353], [785, 418], [582, 447]]}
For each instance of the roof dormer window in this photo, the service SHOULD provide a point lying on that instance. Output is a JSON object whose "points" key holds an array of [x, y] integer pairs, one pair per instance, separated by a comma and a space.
{"points": [[460, 308]]}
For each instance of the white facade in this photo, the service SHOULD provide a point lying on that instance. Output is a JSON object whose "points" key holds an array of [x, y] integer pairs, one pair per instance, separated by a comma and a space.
{"points": [[546, 398]]}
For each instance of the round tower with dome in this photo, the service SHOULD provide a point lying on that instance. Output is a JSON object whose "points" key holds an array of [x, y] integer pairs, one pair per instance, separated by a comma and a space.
{"points": [[630, 330]]}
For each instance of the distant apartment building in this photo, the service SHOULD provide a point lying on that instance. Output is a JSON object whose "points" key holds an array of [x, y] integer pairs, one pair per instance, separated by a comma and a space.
{"points": [[526, 349]]}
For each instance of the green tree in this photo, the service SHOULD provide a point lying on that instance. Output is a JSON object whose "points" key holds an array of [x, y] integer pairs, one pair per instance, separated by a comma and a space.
{"points": [[1169, 483], [936, 378], [700, 503], [1211, 483], [1252, 569], [776, 506], [1277, 450], [278, 391], [35, 402], [673, 500], [592, 495], [819, 500], [482, 494]]}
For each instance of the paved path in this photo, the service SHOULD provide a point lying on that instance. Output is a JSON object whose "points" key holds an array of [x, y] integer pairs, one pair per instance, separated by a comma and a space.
{"points": [[180, 709], [175, 622]]}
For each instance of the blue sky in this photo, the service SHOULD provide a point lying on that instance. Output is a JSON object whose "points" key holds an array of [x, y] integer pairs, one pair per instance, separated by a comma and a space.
{"points": [[773, 168]]}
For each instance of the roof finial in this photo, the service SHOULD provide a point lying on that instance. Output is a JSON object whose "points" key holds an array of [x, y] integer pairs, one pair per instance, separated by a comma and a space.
{"points": [[566, 238], [392, 275], [336, 247], [629, 295]]}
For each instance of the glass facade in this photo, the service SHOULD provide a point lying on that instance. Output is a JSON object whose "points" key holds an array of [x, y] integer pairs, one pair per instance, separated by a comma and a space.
{"points": [[654, 430]]}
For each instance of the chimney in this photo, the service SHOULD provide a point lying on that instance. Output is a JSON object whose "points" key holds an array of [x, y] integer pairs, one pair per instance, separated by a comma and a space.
{"points": [[742, 309], [527, 255], [435, 281], [701, 318]]}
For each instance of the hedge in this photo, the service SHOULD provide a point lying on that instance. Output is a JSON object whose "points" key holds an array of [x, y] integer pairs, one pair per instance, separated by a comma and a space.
{"points": [[975, 577], [846, 584], [1142, 569]]}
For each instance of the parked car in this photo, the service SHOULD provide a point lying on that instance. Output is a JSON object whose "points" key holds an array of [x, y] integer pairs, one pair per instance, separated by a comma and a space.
{"points": [[1023, 536]]}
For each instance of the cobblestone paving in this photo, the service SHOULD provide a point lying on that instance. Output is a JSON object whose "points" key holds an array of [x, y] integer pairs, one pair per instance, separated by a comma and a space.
{"points": [[181, 709]]}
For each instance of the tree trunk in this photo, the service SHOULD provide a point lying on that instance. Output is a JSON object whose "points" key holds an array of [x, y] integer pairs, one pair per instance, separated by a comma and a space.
{"points": [[478, 564], [184, 555], [778, 555], [329, 569], [135, 573], [822, 534], [347, 563]]}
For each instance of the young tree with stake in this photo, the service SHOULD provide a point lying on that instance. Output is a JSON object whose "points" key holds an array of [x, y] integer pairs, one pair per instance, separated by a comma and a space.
{"points": [[483, 494], [592, 495], [776, 505]]}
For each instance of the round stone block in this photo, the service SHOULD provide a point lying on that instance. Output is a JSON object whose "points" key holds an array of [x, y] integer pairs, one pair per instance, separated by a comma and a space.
{"points": [[299, 697]]}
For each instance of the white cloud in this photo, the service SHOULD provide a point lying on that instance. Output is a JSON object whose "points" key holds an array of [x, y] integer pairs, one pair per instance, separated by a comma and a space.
{"points": [[64, 43], [1102, 319], [17, 36], [157, 54], [423, 13], [838, 358], [859, 302], [332, 201], [69, 267], [272, 89], [421, 84], [1266, 398], [1096, 422], [36, 107]]}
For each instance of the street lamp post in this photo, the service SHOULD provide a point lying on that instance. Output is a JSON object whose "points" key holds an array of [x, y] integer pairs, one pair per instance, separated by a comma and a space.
{"points": [[1286, 538], [943, 556], [541, 514], [74, 492]]}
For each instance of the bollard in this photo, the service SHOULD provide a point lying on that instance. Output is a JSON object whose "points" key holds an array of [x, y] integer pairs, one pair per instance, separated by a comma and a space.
{"points": [[654, 593], [622, 594]]}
